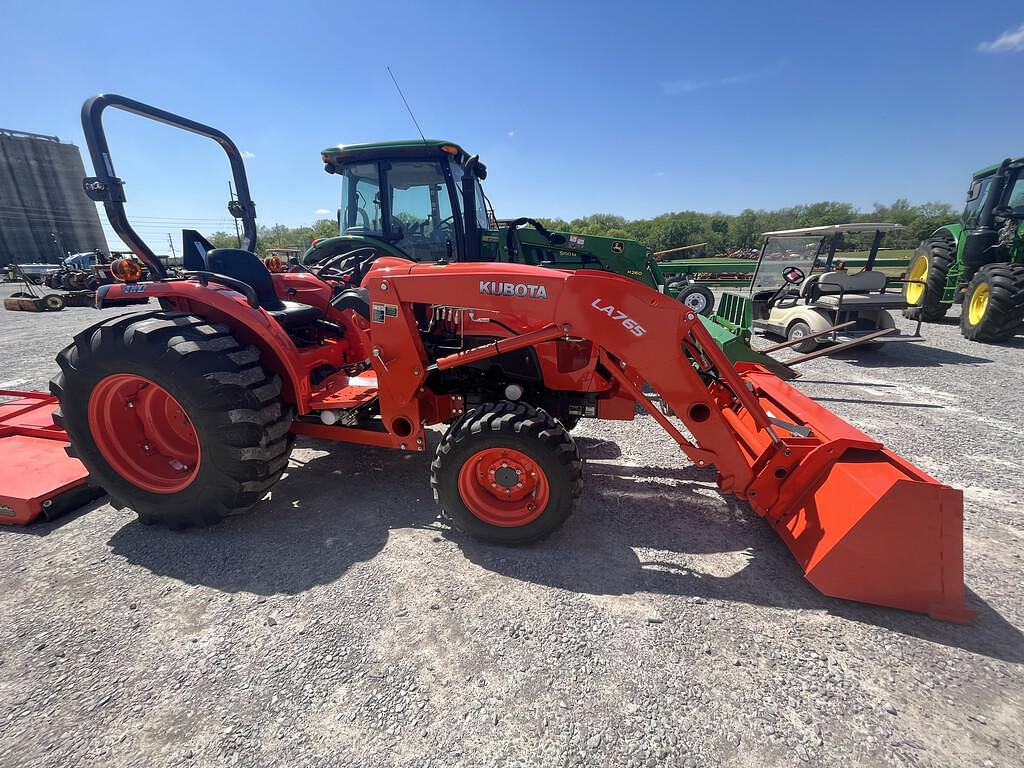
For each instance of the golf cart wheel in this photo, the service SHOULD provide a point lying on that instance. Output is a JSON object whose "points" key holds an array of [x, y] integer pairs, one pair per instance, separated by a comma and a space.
{"points": [[699, 298], [173, 417], [993, 308], [53, 302], [801, 330], [507, 473], [931, 264]]}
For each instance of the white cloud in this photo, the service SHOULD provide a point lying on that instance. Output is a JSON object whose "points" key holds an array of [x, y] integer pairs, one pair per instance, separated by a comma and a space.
{"points": [[1010, 40], [676, 87], [322, 212], [511, 133], [247, 154], [660, 173]]}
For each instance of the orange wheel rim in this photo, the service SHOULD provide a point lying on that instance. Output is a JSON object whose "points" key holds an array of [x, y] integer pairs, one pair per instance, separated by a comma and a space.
{"points": [[143, 433], [504, 487]]}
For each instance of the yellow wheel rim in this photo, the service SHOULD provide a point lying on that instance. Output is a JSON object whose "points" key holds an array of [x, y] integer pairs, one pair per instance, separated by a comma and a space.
{"points": [[918, 271], [978, 304]]}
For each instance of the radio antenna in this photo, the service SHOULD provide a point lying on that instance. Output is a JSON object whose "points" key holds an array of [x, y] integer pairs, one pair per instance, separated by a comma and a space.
{"points": [[408, 108]]}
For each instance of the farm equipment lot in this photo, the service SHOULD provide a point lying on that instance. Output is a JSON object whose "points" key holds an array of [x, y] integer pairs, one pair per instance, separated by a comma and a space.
{"points": [[342, 624]]}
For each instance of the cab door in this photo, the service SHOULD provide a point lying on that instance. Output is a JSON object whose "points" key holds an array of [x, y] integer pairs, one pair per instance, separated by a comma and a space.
{"points": [[423, 218]]}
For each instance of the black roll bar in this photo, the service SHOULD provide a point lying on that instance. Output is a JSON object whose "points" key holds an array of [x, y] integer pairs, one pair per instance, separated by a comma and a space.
{"points": [[105, 187]]}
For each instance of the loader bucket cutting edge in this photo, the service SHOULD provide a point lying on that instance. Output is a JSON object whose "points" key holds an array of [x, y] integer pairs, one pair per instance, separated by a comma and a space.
{"points": [[863, 523]]}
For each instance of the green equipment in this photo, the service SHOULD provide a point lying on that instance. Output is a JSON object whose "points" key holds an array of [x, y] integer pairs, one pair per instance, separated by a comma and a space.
{"points": [[422, 200], [977, 262]]}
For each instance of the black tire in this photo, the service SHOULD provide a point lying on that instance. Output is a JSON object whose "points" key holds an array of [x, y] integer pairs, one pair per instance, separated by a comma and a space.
{"points": [[66, 282], [1003, 314], [92, 282], [522, 428], [940, 251], [570, 422], [232, 402], [699, 298], [54, 302], [798, 330]]}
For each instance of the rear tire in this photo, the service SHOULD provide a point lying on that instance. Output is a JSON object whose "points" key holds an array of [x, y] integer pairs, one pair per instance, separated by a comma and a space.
{"points": [[491, 449], [801, 330], [993, 308], [933, 260], [699, 298], [240, 428]]}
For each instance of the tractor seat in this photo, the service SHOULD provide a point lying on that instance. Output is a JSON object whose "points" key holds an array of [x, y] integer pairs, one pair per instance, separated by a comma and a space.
{"points": [[246, 266]]}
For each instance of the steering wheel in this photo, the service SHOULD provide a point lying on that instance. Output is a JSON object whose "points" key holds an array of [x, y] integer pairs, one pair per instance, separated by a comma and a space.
{"points": [[790, 276], [793, 275], [349, 267]]}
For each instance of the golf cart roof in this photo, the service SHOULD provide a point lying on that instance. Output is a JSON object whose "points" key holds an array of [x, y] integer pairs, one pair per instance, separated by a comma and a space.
{"points": [[834, 229]]}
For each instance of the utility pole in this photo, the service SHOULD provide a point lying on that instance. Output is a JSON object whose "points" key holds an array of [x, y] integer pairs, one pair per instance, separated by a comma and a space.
{"points": [[170, 242], [238, 232]]}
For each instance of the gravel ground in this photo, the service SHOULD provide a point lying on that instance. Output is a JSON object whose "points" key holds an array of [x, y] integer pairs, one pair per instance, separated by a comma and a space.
{"points": [[343, 624]]}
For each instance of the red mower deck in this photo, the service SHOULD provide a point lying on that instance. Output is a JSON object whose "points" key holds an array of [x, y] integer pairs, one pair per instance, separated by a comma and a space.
{"points": [[37, 478]]}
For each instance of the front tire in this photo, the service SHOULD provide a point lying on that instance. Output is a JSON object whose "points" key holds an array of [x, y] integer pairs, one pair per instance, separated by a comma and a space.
{"points": [[993, 308], [930, 265], [699, 298], [798, 331], [507, 473], [172, 417]]}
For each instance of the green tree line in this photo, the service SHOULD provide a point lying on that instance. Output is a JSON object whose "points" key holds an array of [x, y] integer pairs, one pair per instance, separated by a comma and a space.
{"points": [[721, 231], [727, 232]]}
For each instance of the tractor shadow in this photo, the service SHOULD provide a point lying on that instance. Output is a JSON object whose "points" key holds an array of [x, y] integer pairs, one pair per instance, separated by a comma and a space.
{"points": [[637, 530], [908, 355], [335, 506], [647, 529]]}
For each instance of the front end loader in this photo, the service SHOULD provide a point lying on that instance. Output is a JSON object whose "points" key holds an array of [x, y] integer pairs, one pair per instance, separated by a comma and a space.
{"points": [[977, 262], [187, 414]]}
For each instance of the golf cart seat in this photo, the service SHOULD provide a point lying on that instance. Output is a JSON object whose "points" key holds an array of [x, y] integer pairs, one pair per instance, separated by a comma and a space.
{"points": [[247, 267], [863, 290]]}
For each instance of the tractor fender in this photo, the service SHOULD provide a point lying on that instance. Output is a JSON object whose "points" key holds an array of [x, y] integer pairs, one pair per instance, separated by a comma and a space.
{"points": [[818, 320], [250, 325], [953, 230]]}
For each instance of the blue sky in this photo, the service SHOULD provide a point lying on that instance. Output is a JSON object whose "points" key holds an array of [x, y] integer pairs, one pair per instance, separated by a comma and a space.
{"points": [[631, 108]]}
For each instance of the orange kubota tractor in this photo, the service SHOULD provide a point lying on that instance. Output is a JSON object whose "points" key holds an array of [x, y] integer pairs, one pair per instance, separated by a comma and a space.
{"points": [[187, 414]]}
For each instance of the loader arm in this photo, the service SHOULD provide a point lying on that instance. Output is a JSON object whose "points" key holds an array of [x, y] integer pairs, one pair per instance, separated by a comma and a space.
{"points": [[848, 509]]}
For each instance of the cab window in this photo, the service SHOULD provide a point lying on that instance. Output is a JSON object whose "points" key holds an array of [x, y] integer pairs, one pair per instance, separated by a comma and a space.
{"points": [[976, 197], [360, 200], [422, 221], [1016, 197]]}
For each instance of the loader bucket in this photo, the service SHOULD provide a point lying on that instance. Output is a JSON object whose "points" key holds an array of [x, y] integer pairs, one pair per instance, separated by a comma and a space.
{"points": [[863, 523]]}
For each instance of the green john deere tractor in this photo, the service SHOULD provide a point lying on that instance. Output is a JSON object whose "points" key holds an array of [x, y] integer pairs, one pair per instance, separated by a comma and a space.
{"points": [[422, 200], [977, 262]]}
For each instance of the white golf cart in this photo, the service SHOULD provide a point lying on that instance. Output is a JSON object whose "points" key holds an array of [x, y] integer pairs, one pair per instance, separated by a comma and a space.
{"points": [[804, 292]]}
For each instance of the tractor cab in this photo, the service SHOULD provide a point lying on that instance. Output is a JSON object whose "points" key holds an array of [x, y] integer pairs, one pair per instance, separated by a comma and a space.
{"points": [[992, 215], [423, 200], [419, 200]]}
